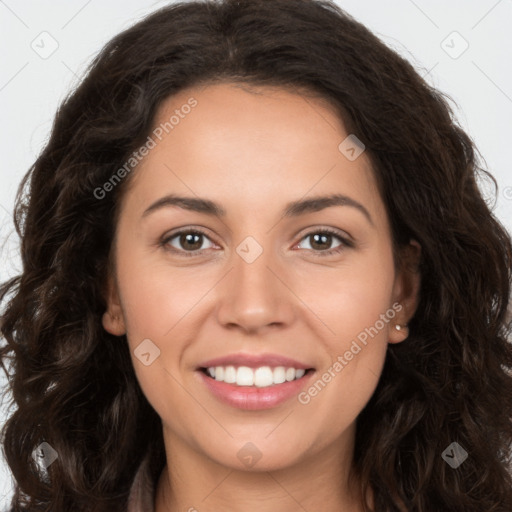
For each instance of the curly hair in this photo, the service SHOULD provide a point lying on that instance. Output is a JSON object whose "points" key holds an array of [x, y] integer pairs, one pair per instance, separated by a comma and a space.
{"points": [[73, 383]]}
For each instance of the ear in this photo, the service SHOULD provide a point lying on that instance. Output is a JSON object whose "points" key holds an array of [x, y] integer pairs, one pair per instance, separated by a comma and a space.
{"points": [[113, 318], [406, 290]]}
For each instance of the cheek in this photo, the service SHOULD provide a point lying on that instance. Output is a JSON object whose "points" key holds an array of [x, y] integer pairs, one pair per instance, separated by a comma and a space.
{"points": [[156, 297], [343, 387], [161, 304], [351, 298], [355, 303]]}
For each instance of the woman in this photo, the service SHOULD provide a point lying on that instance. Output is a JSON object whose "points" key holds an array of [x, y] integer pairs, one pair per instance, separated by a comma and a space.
{"points": [[258, 274]]}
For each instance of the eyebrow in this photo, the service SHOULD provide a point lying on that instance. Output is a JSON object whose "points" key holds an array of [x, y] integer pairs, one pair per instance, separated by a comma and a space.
{"points": [[292, 209]]}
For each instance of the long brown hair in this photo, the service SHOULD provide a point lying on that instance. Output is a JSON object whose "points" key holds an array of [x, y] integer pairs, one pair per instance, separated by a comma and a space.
{"points": [[73, 383]]}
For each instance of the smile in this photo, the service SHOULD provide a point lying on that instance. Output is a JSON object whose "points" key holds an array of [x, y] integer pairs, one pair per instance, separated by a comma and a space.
{"points": [[254, 388], [261, 377]]}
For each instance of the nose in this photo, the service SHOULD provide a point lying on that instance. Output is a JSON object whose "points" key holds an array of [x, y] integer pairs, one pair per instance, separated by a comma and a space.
{"points": [[255, 296]]}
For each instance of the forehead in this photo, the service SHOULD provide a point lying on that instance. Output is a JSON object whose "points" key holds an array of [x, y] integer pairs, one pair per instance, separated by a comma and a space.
{"points": [[253, 144]]}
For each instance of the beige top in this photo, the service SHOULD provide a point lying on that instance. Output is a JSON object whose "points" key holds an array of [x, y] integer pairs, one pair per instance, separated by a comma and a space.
{"points": [[142, 492]]}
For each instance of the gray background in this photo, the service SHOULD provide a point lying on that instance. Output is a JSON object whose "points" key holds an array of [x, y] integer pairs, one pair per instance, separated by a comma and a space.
{"points": [[32, 83]]}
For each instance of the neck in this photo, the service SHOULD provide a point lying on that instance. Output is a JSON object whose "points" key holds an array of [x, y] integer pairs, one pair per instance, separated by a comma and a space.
{"points": [[192, 482]]}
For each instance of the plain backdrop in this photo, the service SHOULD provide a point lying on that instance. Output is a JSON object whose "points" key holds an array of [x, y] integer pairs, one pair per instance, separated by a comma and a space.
{"points": [[462, 47]]}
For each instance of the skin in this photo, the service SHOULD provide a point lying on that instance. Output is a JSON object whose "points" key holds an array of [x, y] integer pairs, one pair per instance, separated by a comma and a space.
{"points": [[253, 151]]}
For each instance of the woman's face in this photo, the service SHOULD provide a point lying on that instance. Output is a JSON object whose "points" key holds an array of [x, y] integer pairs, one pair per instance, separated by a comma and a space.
{"points": [[263, 288]]}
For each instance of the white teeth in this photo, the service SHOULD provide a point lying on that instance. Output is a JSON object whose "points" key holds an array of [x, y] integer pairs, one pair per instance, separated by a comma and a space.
{"points": [[299, 373], [261, 377], [219, 373], [230, 374], [244, 376], [290, 374], [279, 375]]}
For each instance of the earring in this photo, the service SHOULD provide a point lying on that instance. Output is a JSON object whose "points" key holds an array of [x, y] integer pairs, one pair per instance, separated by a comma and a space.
{"points": [[399, 327]]}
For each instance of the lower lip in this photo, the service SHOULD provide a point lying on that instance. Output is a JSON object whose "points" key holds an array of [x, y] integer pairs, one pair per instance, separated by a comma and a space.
{"points": [[254, 398]]}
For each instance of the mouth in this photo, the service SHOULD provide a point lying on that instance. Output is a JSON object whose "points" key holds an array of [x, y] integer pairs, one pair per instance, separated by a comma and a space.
{"points": [[260, 377], [254, 381], [254, 389]]}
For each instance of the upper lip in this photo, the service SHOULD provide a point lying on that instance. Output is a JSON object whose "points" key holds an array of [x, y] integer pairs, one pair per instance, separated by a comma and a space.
{"points": [[254, 361]]}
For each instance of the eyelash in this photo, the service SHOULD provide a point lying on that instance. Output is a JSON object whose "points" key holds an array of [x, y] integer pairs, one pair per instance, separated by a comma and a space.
{"points": [[345, 243]]}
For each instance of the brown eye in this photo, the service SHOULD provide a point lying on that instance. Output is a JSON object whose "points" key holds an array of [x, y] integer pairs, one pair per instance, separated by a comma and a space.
{"points": [[321, 241], [191, 241], [185, 242]]}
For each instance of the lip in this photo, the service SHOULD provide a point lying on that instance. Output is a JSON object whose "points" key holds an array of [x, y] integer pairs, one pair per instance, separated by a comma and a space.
{"points": [[252, 397], [255, 361]]}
